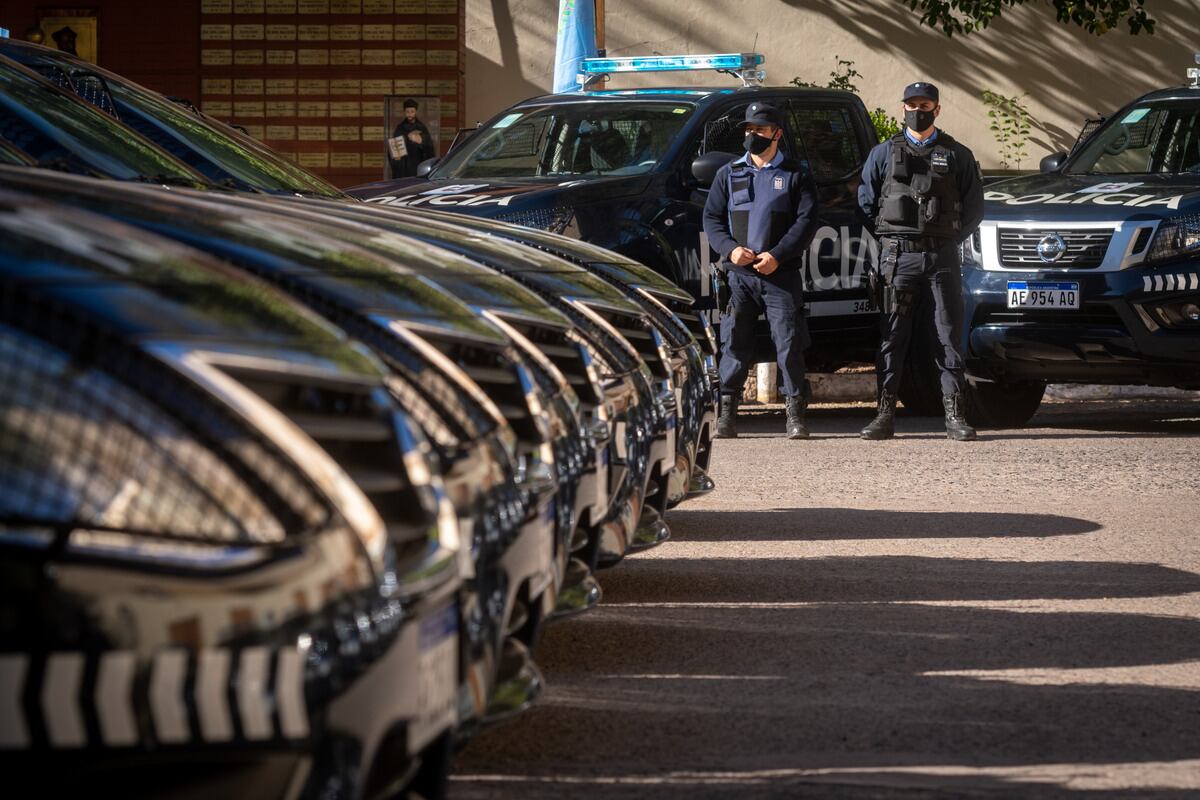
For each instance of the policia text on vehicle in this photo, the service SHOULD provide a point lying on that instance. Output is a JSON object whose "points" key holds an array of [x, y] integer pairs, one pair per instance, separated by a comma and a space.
{"points": [[760, 217], [923, 194]]}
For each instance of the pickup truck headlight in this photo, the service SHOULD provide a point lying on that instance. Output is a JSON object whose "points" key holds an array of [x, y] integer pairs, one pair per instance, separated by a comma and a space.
{"points": [[1177, 237]]}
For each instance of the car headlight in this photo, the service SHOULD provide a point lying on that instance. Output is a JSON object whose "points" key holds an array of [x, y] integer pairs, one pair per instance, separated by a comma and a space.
{"points": [[972, 250], [81, 449], [1177, 237]]}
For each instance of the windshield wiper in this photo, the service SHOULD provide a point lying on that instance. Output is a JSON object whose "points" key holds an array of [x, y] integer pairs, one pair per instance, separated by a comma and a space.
{"points": [[174, 180], [61, 164]]}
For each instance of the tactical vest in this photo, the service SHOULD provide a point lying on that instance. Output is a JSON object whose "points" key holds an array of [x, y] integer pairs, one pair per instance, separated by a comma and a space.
{"points": [[920, 195], [777, 212]]}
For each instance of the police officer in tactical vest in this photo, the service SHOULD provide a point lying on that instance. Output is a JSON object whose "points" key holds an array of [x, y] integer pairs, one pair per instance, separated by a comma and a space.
{"points": [[760, 216], [923, 193]]}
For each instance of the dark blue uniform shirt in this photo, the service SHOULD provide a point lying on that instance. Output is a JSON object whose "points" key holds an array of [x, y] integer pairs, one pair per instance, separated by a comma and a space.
{"points": [[775, 189], [970, 184]]}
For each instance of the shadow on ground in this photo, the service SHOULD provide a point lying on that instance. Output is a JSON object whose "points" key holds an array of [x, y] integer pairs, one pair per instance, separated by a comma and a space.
{"points": [[836, 524], [828, 677]]}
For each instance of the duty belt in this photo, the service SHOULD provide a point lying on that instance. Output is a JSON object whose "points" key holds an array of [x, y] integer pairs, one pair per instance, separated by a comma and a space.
{"points": [[922, 245]]}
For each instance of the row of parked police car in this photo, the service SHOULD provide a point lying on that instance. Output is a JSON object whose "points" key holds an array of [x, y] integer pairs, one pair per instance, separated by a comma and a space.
{"points": [[291, 484]]}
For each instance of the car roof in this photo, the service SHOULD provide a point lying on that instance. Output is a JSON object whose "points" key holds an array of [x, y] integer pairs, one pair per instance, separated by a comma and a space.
{"points": [[1173, 93], [701, 95]]}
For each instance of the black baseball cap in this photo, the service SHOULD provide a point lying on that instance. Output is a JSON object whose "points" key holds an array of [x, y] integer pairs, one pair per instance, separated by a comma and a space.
{"points": [[920, 89], [763, 114]]}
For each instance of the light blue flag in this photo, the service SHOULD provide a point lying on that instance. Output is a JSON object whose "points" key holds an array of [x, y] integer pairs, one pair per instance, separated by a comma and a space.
{"points": [[576, 41]]}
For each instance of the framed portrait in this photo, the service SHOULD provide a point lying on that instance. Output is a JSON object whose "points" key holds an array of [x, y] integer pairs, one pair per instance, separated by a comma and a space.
{"points": [[72, 30]]}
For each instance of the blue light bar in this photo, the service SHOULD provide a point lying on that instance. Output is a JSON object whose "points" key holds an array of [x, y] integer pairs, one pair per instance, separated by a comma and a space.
{"points": [[731, 61], [3, 33]]}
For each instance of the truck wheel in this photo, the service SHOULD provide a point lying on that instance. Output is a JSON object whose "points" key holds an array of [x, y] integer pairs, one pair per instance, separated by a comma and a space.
{"points": [[1003, 405], [921, 385]]}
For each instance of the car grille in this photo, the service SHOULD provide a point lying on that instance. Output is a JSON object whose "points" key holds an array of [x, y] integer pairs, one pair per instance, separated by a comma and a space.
{"points": [[554, 220], [564, 354], [1091, 314], [353, 423], [1085, 248], [694, 324], [640, 334]]}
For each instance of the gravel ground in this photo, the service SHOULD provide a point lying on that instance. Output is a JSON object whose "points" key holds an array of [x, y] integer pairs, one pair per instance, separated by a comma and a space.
{"points": [[917, 618]]}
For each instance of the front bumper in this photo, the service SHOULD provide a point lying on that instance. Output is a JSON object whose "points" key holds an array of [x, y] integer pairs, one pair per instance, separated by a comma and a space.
{"points": [[1115, 337]]}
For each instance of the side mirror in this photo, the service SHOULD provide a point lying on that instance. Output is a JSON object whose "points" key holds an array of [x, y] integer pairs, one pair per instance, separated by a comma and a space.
{"points": [[1052, 162], [704, 168], [426, 167]]}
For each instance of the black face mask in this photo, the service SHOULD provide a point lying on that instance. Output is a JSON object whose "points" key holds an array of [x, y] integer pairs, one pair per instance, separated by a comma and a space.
{"points": [[918, 120], [756, 144]]}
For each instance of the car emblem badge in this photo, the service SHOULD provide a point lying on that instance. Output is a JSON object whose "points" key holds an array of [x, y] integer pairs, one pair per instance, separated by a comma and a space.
{"points": [[1051, 248]]}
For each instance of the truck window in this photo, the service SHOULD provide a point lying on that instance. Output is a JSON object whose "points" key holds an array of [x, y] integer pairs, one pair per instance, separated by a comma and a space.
{"points": [[825, 137], [724, 134], [1158, 138]]}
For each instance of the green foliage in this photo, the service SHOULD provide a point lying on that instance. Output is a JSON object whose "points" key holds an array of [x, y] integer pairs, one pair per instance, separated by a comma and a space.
{"points": [[843, 78], [1010, 125], [886, 126], [1094, 16]]}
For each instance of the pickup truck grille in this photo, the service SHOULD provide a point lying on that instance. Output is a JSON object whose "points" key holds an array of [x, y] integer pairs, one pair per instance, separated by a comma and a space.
{"points": [[640, 334], [564, 354], [1090, 315], [1085, 248]]}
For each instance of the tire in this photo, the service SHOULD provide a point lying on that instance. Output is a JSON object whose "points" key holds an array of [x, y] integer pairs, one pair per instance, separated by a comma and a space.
{"points": [[1003, 405], [921, 385]]}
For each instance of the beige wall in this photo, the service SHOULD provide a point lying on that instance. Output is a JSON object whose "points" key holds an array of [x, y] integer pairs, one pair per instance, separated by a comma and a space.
{"points": [[1067, 74]]}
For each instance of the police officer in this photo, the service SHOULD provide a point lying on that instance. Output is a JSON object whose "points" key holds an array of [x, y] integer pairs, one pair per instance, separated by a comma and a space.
{"points": [[922, 192], [760, 216]]}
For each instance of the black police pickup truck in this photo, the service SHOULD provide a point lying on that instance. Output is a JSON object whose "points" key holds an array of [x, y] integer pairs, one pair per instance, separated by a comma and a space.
{"points": [[629, 171], [1090, 271]]}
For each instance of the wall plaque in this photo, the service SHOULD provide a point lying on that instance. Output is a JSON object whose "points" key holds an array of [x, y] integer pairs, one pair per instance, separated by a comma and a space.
{"points": [[312, 108], [281, 108], [216, 58], [248, 58], [409, 33], [216, 86], [347, 33], [313, 33], [441, 33], [312, 58], [343, 58], [280, 85], [281, 33], [284, 133], [442, 58], [248, 6], [248, 108], [410, 58], [377, 57], [281, 57], [344, 160], [248, 86], [217, 108], [247, 33], [215, 33], [313, 133], [281, 6], [343, 133], [344, 86], [314, 159], [313, 86], [216, 6], [377, 6]]}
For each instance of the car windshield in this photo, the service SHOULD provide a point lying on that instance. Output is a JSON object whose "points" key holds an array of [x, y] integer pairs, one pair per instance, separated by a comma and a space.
{"points": [[60, 132], [211, 148], [1150, 138], [569, 140]]}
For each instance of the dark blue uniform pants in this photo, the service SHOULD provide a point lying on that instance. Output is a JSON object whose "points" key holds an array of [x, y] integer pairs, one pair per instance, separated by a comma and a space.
{"points": [[751, 295], [919, 274]]}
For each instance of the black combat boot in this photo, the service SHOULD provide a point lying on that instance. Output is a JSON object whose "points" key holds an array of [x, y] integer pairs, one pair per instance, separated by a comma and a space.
{"points": [[884, 424], [727, 421], [795, 417], [956, 422]]}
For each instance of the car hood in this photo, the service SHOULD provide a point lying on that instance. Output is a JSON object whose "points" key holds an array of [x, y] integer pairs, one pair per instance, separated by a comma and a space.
{"points": [[1091, 198], [498, 196], [271, 246], [149, 289]]}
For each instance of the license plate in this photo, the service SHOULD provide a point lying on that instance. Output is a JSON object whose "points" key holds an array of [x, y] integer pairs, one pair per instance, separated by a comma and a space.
{"points": [[437, 671], [1043, 294]]}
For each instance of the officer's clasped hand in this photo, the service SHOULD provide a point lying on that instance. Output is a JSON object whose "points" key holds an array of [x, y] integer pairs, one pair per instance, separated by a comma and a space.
{"points": [[765, 263], [742, 256]]}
